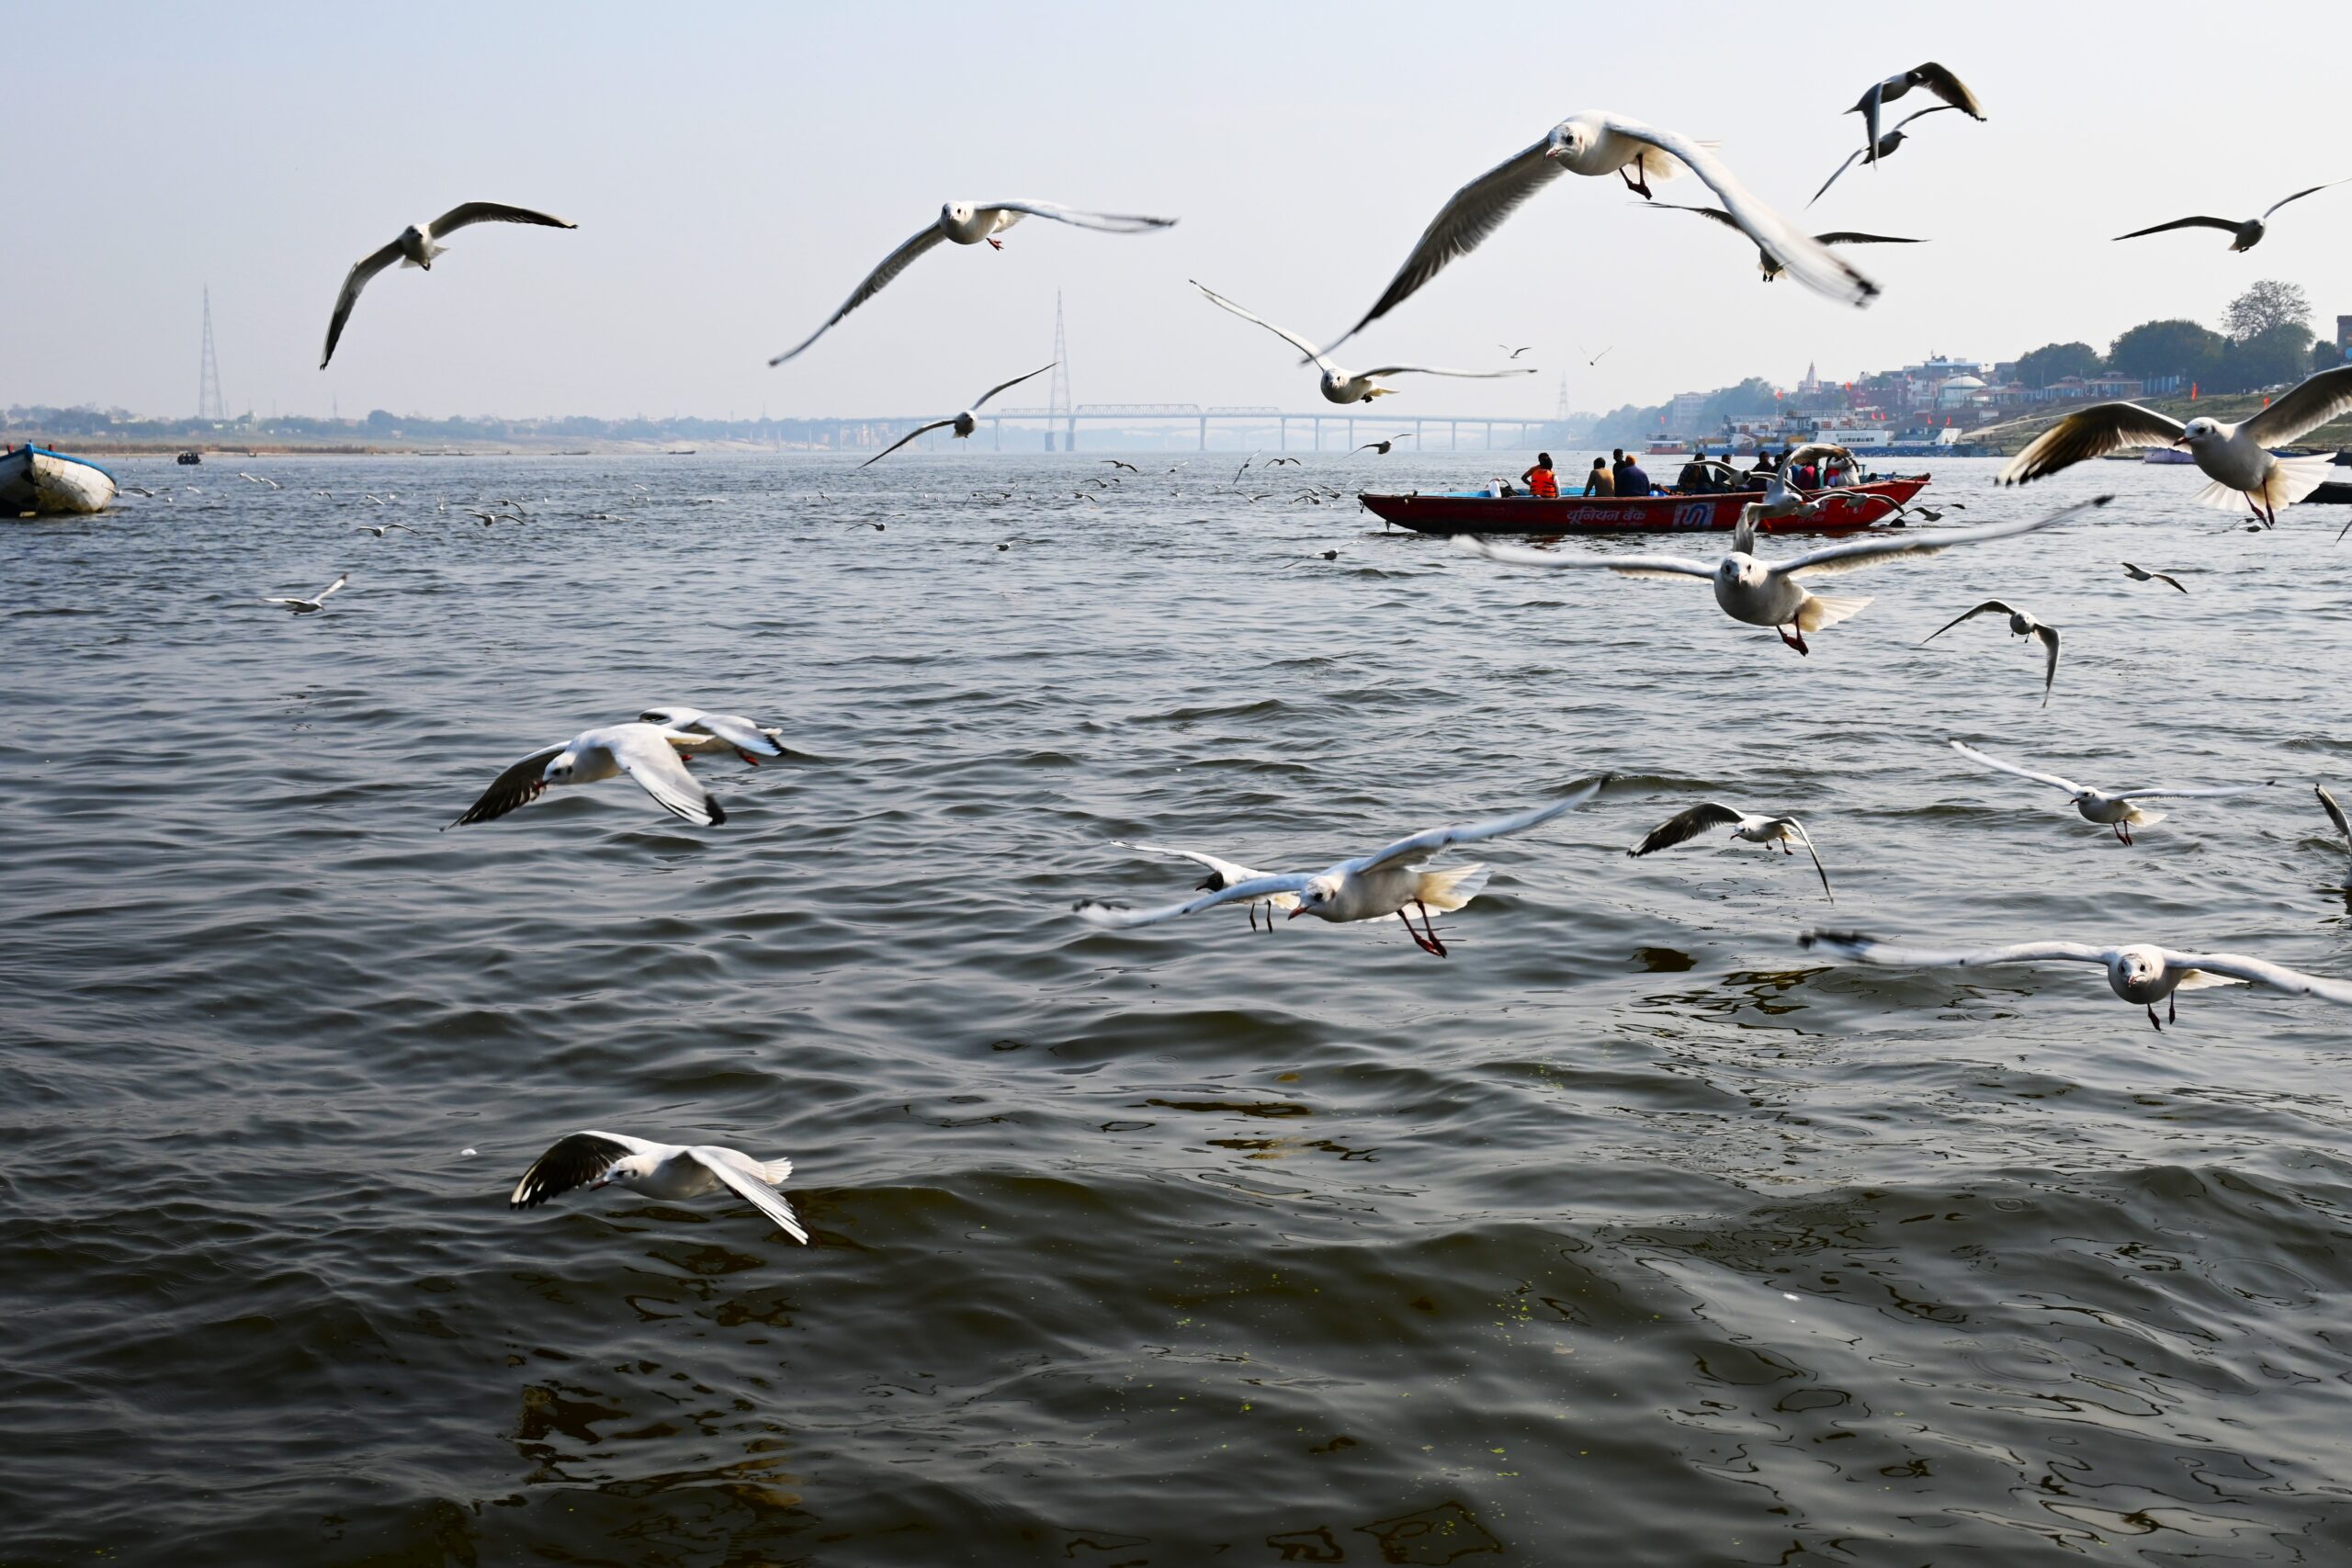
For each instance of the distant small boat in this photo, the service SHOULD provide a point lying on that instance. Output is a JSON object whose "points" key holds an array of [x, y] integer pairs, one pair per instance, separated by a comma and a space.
{"points": [[679, 452], [2167, 454], [34, 479], [189, 459]]}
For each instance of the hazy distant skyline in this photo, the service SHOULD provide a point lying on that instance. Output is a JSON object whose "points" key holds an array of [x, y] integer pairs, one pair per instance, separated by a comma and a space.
{"points": [[735, 170]]}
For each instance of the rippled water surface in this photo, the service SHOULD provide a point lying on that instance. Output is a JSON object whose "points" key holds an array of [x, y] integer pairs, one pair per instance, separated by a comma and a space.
{"points": [[1629, 1235]]}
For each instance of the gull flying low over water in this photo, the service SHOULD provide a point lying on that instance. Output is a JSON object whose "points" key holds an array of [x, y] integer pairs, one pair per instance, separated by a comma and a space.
{"points": [[646, 753], [1932, 76], [1387, 882], [1879, 150], [962, 423], [2235, 456], [1765, 262], [312, 606], [1769, 594], [1597, 144], [2342, 828], [417, 245], [2116, 808], [1755, 829], [668, 1171], [1222, 875], [2247, 234], [379, 530], [1342, 386], [2143, 973], [2141, 574], [747, 737], [1382, 446], [968, 223], [2021, 624]]}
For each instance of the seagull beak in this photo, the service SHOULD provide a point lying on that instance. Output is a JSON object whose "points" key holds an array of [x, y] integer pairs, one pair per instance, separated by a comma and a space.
{"points": [[2180, 440], [1295, 913]]}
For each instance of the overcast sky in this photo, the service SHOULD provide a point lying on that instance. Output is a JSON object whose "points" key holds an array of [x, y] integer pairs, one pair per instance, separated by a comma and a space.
{"points": [[736, 169]]}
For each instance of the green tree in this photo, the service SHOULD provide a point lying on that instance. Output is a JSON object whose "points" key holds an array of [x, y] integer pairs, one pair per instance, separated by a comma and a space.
{"points": [[2325, 355], [2168, 348], [2269, 304], [2276, 354], [2054, 362]]}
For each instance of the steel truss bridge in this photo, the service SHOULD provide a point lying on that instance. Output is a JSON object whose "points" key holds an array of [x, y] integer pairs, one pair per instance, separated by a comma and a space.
{"points": [[1271, 427]]}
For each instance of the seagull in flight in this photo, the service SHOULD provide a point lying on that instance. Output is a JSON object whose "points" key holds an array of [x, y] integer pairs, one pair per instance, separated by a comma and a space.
{"points": [[1598, 357], [646, 753], [962, 423], [1387, 882], [1933, 77], [1755, 829], [1511, 353], [1382, 446], [1765, 263], [2244, 235], [668, 1171], [417, 245], [2116, 808], [2237, 457], [379, 530], [2141, 574], [1342, 386], [1117, 463], [747, 737], [1598, 143], [2143, 973], [1222, 875], [1769, 594], [968, 223], [313, 606], [1882, 148], [2021, 624]]}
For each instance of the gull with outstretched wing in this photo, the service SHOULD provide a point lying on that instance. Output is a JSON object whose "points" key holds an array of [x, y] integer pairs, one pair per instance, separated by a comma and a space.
{"points": [[2115, 808]]}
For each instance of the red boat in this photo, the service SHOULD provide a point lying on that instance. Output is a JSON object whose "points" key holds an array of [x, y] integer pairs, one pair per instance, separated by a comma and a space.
{"points": [[1855, 507]]}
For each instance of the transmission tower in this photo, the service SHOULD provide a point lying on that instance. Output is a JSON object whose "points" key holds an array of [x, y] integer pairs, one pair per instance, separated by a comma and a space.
{"points": [[208, 401], [1561, 415], [1057, 402]]}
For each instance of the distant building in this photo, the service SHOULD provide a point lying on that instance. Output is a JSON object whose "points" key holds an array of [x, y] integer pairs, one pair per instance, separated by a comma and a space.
{"points": [[2343, 336], [2115, 387], [1683, 413]]}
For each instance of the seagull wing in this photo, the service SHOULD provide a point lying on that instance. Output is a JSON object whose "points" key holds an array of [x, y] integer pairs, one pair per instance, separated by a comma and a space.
{"points": [[494, 212], [1289, 337], [1852, 237], [518, 786], [2334, 812], [2051, 779], [573, 1161], [1462, 225], [1940, 81], [2312, 190], [901, 441], [732, 728], [332, 587], [1990, 606], [751, 1189], [1921, 114], [1231, 871], [1096, 913], [2160, 577], [1857, 553], [1109, 222], [2149, 791], [1688, 825], [353, 282], [897, 262], [1806, 839], [646, 753], [2278, 977], [1717, 213], [1856, 948], [1629, 566], [1806, 259], [2311, 404], [2049, 636], [2230, 225], [1433, 370], [2090, 432], [1001, 386], [1832, 177], [1437, 839]]}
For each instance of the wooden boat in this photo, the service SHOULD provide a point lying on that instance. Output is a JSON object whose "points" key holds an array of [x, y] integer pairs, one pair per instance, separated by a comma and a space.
{"points": [[34, 480], [2331, 493], [1855, 507]]}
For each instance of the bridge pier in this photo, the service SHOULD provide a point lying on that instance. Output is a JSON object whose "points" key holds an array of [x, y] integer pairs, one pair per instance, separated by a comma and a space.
{"points": [[1204, 433]]}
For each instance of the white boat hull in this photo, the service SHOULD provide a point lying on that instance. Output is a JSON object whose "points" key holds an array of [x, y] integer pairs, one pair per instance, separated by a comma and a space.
{"points": [[36, 481]]}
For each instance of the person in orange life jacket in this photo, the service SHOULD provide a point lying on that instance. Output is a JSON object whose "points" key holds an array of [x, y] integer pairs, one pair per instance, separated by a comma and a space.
{"points": [[1540, 480], [1599, 481]]}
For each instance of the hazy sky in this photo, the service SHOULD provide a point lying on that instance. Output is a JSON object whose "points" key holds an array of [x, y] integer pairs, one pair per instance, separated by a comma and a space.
{"points": [[736, 169]]}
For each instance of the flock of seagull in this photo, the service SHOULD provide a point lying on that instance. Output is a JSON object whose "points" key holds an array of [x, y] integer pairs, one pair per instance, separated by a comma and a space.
{"points": [[1398, 879]]}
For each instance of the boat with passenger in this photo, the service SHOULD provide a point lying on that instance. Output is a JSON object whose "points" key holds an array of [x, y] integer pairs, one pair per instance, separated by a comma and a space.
{"points": [[1844, 508], [35, 481]]}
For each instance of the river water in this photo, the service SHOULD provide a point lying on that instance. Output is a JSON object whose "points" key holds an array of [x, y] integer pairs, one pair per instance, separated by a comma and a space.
{"points": [[1630, 1234]]}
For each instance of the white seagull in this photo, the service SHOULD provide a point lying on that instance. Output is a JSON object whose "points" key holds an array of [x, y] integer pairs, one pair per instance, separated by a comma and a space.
{"points": [[2116, 808], [1744, 825], [2235, 456], [2244, 235], [1763, 594], [2142, 973], [1598, 142], [747, 737], [1878, 150], [2021, 624], [962, 423], [417, 245], [2342, 828], [1370, 888], [1933, 77], [1222, 875], [968, 223], [380, 530], [1771, 268], [312, 606], [646, 753], [1344, 386], [668, 1171], [2141, 574]]}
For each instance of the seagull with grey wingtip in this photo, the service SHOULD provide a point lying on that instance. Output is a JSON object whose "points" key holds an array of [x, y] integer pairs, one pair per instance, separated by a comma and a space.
{"points": [[1766, 262], [667, 1171], [417, 245], [962, 423], [1338, 384], [2117, 808], [311, 606], [747, 737], [1935, 78], [1879, 150], [1745, 826], [2021, 624], [2141, 574], [2245, 233], [645, 752]]}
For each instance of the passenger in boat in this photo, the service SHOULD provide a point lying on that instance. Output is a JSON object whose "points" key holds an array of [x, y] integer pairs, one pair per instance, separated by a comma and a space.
{"points": [[1541, 481], [1632, 480], [1836, 474], [1599, 481], [1694, 477]]}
